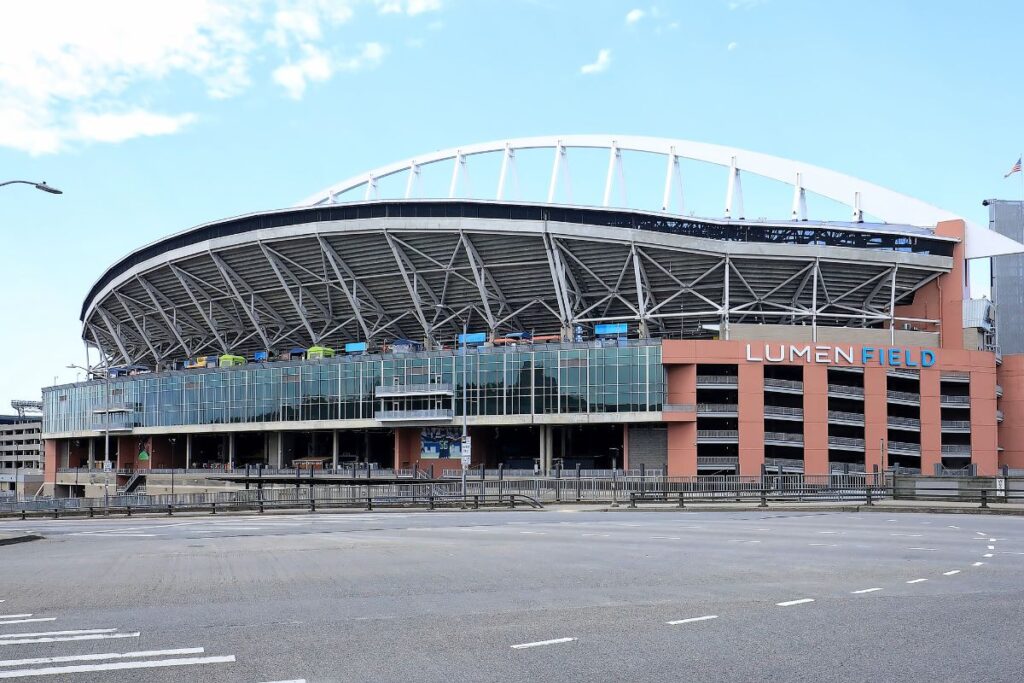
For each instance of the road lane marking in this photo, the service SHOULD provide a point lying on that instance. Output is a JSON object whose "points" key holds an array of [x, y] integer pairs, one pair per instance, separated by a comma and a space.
{"points": [[13, 616], [865, 590], [952, 527], [539, 643], [977, 564], [981, 533], [664, 538], [58, 633], [987, 555], [27, 621], [991, 547], [930, 550], [601, 535], [951, 572], [917, 581], [116, 666], [828, 532], [790, 603], [64, 639], [105, 655], [303, 680], [912, 535], [992, 540], [535, 533], [825, 545], [691, 620]]}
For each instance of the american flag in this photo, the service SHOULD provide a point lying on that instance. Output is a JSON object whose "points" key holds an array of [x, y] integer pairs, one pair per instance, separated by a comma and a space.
{"points": [[1015, 169]]}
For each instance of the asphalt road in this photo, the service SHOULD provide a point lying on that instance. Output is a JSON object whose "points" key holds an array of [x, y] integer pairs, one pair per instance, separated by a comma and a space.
{"points": [[569, 595]]}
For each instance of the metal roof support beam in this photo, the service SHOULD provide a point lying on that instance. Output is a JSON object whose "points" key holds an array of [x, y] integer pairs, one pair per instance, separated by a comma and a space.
{"points": [[299, 308], [507, 158], [814, 302], [210, 323], [734, 192], [641, 296], [558, 282], [892, 306], [171, 326], [685, 288], [404, 267], [479, 274], [230, 279], [350, 294], [673, 172], [135, 323], [614, 164], [724, 325], [114, 334], [799, 212], [611, 290]]}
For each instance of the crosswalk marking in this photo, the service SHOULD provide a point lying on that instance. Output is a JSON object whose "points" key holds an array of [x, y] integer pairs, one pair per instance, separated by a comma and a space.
{"points": [[26, 621], [62, 639], [57, 633], [101, 656], [117, 666]]}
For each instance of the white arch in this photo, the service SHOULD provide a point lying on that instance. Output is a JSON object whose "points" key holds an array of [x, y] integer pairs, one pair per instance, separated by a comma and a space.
{"points": [[861, 196]]}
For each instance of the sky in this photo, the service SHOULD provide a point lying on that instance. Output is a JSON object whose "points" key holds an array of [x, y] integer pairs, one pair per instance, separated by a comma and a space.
{"points": [[154, 117]]}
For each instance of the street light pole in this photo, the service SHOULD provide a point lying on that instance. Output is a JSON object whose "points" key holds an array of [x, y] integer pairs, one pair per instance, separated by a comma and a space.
{"points": [[39, 186]]}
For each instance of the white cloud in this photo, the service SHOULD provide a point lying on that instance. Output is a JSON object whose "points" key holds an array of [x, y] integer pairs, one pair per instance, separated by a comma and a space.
{"points": [[732, 46], [409, 7], [604, 60], [118, 127], [74, 72], [635, 15]]}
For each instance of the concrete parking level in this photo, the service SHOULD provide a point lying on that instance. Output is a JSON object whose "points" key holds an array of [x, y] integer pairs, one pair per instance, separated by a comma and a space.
{"points": [[570, 595]]}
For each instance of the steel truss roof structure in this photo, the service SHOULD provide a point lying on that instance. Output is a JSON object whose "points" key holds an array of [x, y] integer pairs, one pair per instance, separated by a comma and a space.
{"points": [[402, 269]]}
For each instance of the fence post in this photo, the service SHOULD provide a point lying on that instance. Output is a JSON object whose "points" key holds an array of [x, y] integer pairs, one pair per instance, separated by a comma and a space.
{"points": [[56, 514], [867, 501], [579, 483], [984, 498], [615, 487], [129, 509], [681, 500], [312, 503], [512, 501], [430, 502], [369, 503], [213, 508], [170, 510], [23, 513], [501, 481], [476, 502], [632, 499], [764, 498], [261, 506], [92, 513]]}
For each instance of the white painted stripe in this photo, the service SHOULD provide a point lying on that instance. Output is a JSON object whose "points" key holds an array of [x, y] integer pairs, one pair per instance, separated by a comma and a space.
{"points": [[828, 532], [554, 641], [790, 603], [116, 666], [930, 550], [911, 535], [953, 527], [987, 555], [105, 655], [951, 572], [58, 633], [977, 564], [825, 545], [991, 547], [664, 538], [865, 590], [992, 540], [981, 533], [13, 616], [294, 680], [63, 639], [917, 581], [535, 533], [691, 620], [26, 621]]}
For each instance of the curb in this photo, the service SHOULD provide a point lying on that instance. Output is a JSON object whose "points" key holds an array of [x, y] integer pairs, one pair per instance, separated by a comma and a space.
{"points": [[23, 538]]}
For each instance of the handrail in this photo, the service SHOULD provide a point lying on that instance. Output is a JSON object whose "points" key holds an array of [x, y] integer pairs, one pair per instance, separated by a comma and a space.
{"points": [[717, 379], [838, 415], [845, 389], [903, 396], [717, 407], [954, 400], [783, 410], [783, 383]]}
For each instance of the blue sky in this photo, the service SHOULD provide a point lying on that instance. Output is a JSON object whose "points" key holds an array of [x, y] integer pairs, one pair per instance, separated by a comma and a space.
{"points": [[156, 119]]}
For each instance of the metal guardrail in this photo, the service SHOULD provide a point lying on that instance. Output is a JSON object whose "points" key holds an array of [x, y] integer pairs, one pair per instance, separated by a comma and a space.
{"points": [[426, 414], [783, 410], [842, 416], [718, 379], [904, 447], [678, 407], [946, 399], [771, 382], [955, 375], [908, 396], [786, 437], [959, 424], [846, 441], [956, 449], [708, 408], [714, 434], [846, 390], [426, 389], [904, 422]]}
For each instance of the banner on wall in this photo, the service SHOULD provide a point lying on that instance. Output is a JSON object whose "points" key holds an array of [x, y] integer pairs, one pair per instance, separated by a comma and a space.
{"points": [[440, 442]]}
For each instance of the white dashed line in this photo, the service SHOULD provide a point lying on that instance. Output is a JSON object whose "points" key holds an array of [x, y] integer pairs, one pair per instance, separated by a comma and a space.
{"points": [[865, 590], [600, 535], [952, 527], [917, 581], [930, 550], [991, 547], [27, 621], [691, 620], [981, 533], [977, 564], [105, 655], [535, 533], [824, 545], [664, 538], [13, 616], [539, 643], [987, 555], [911, 535], [115, 666], [8, 640], [790, 603], [951, 572]]}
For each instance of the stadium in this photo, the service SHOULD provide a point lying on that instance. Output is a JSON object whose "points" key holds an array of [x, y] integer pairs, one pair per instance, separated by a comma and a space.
{"points": [[383, 319]]}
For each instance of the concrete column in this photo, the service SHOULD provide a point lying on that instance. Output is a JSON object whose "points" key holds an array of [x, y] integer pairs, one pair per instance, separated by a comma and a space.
{"points": [[231, 450], [280, 450], [188, 451], [682, 449], [931, 420], [265, 459], [751, 419], [542, 442], [334, 449], [92, 453], [876, 415], [816, 419], [984, 442], [625, 446]]}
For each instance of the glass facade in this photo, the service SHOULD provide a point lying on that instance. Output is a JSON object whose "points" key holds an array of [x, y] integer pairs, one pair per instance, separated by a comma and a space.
{"points": [[522, 380]]}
